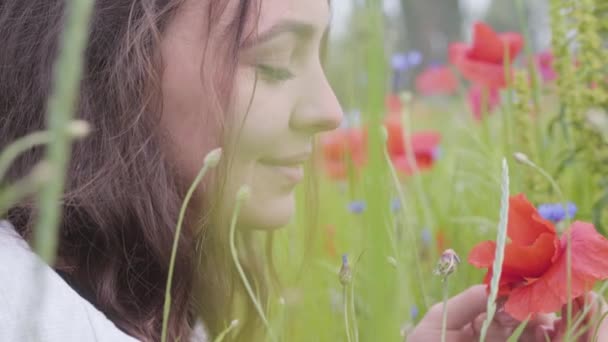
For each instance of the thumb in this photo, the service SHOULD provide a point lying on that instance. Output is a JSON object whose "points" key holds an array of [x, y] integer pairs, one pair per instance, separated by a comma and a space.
{"points": [[462, 308]]}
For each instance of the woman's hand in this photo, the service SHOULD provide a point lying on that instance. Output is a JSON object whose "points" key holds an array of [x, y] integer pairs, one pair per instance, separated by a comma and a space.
{"points": [[466, 313], [588, 324]]}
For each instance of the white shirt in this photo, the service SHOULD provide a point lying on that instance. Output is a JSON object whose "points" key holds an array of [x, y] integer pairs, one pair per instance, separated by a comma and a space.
{"points": [[36, 304]]}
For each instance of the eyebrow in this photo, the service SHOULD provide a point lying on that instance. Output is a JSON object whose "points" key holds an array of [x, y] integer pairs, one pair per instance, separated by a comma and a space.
{"points": [[298, 28]]}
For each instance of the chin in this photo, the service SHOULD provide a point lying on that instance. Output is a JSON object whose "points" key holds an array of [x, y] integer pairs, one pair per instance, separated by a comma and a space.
{"points": [[268, 214]]}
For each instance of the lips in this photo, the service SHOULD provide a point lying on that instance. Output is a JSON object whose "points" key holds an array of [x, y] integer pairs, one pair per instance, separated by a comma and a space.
{"points": [[296, 160], [291, 167]]}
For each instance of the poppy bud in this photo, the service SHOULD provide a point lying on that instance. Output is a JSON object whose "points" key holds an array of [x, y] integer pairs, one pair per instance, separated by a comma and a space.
{"points": [[447, 263], [213, 158], [79, 128], [346, 275], [521, 158], [243, 194]]}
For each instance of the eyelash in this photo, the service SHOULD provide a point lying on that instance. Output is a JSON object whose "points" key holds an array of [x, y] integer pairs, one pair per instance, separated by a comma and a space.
{"points": [[274, 75]]}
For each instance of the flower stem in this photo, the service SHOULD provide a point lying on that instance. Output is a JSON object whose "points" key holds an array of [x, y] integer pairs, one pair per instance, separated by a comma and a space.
{"points": [[352, 308], [241, 197], [182, 213], [444, 318], [346, 325]]}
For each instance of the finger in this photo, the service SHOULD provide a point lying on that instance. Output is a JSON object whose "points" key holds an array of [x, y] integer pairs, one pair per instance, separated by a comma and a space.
{"points": [[495, 332], [462, 308], [423, 335]]}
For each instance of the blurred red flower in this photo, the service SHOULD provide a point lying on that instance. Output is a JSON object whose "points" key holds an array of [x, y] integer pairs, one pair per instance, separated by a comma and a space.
{"points": [[482, 62], [534, 275], [437, 80], [425, 146], [393, 104], [544, 63], [344, 146], [482, 100]]}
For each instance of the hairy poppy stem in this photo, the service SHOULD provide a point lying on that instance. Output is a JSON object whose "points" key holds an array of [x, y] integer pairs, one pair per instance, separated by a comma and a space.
{"points": [[444, 318], [211, 160], [242, 196], [346, 325]]}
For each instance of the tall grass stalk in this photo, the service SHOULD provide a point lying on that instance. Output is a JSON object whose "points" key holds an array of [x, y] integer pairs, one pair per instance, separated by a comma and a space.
{"points": [[211, 160], [412, 235], [501, 241], [242, 196], [62, 103]]}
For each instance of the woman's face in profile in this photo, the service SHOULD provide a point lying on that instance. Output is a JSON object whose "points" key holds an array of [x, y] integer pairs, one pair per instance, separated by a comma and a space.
{"points": [[273, 128]]}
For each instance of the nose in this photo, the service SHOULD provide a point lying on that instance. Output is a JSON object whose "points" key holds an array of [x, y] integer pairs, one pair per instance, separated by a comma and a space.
{"points": [[318, 108]]}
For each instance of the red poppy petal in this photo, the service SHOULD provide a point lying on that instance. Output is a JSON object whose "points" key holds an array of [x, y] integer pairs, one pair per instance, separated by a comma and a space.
{"points": [[514, 42], [487, 74], [487, 45], [456, 52], [394, 142], [589, 250], [357, 143], [482, 255], [530, 261], [525, 225], [425, 141], [549, 292], [336, 170], [506, 283], [402, 164], [436, 81], [334, 144], [482, 100]]}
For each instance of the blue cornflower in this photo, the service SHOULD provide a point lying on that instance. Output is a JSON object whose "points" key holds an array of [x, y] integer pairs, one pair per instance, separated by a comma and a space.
{"points": [[414, 312], [555, 211], [357, 207], [399, 62], [414, 58], [405, 61], [344, 259], [426, 236], [395, 205]]}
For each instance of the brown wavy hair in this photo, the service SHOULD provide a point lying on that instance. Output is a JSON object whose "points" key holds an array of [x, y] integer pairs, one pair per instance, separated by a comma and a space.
{"points": [[122, 196]]}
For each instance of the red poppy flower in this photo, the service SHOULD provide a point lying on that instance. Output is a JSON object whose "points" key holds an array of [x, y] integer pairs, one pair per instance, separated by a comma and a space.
{"points": [[393, 104], [425, 146], [483, 61], [534, 274], [437, 80], [330, 243], [544, 62], [341, 147], [480, 105], [349, 146]]}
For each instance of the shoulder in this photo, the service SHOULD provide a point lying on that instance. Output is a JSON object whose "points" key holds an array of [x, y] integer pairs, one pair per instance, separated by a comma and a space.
{"points": [[37, 304]]}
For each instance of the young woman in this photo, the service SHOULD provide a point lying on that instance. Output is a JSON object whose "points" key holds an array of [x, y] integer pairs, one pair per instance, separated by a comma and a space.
{"points": [[165, 82]]}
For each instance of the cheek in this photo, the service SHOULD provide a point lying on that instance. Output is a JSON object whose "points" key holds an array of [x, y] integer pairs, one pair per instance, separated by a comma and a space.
{"points": [[261, 130], [186, 125], [260, 117]]}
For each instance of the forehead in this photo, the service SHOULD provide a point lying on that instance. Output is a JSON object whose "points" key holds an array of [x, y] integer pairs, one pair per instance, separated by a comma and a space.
{"points": [[314, 12]]}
